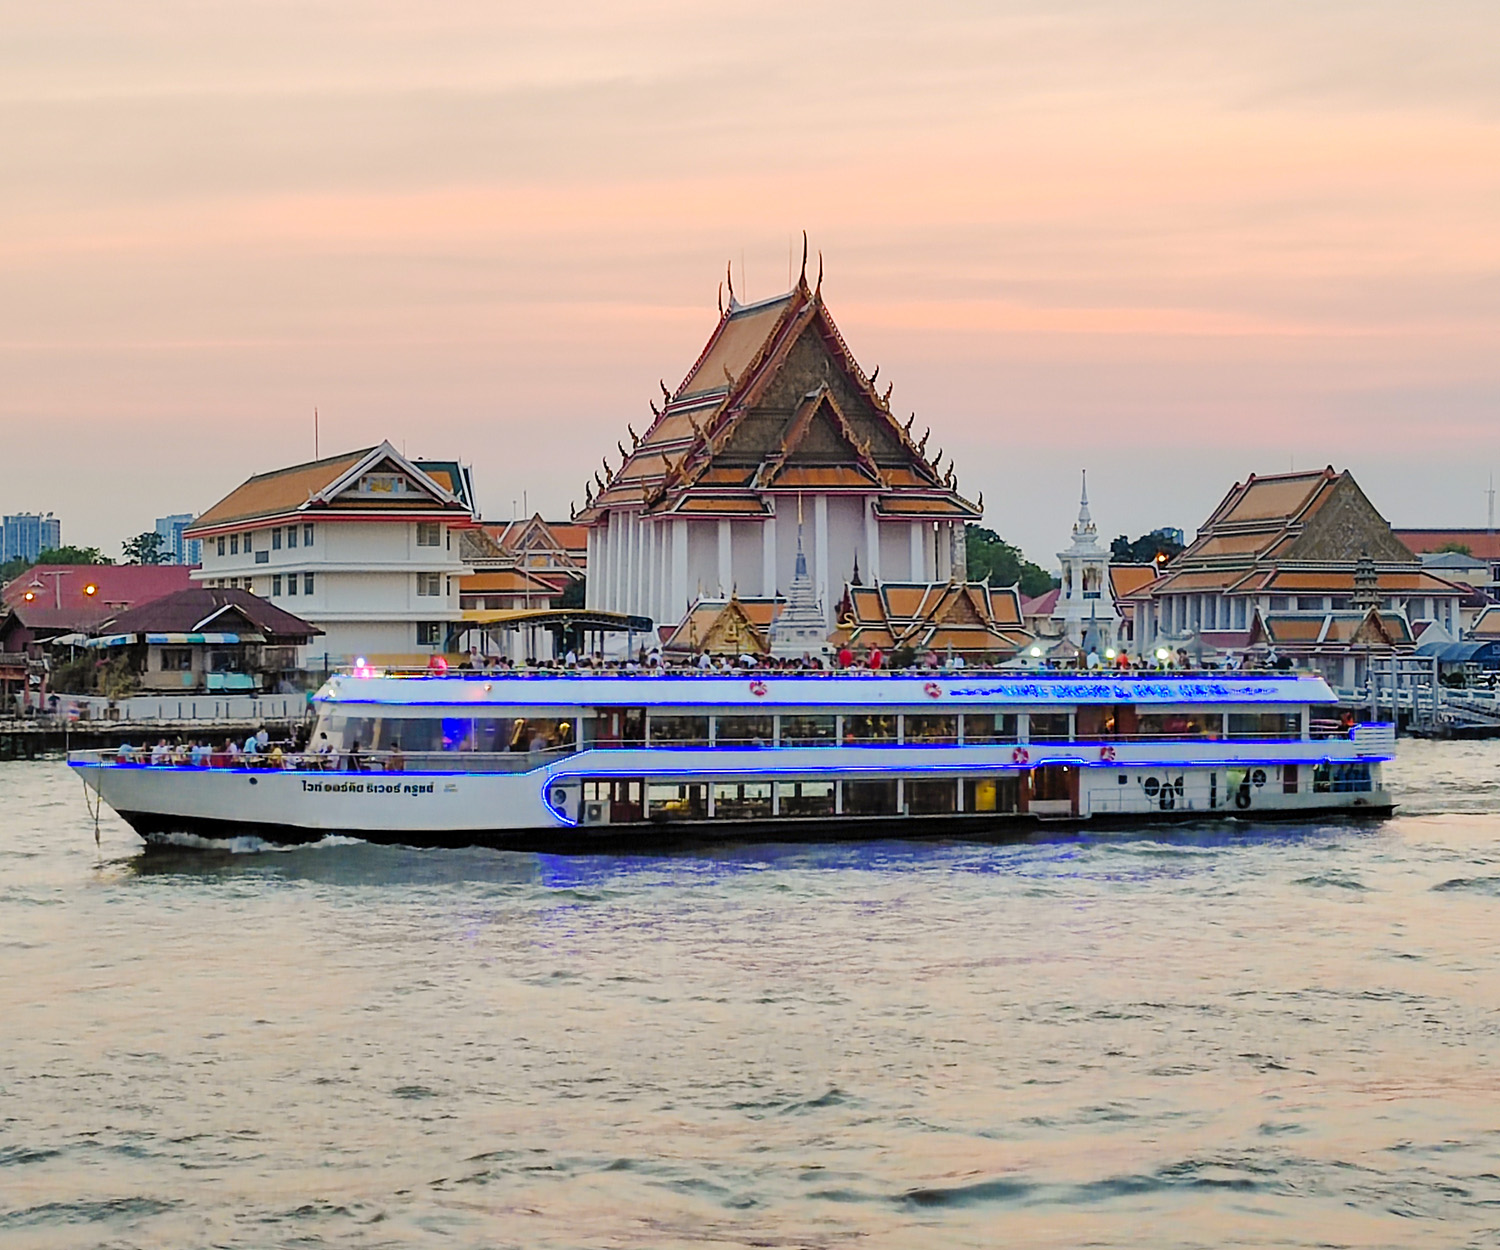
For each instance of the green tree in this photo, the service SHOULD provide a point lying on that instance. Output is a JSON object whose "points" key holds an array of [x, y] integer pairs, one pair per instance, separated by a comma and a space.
{"points": [[1461, 549], [12, 569], [144, 549], [990, 556], [73, 555], [1152, 548]]}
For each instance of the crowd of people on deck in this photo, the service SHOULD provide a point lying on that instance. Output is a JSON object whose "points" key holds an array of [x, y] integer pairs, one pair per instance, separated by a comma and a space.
{"points": [[848, 659]]}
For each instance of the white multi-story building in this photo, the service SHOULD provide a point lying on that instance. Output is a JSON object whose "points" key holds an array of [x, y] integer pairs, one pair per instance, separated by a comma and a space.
{"points": [[363, 545]]}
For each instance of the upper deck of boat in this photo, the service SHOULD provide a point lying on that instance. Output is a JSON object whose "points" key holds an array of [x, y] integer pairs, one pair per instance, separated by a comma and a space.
{"points": [[835, 689]]}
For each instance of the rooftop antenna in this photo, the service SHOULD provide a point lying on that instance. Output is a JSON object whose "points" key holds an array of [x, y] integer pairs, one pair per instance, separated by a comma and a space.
{"points": [[1490, 529], [316, 456]]}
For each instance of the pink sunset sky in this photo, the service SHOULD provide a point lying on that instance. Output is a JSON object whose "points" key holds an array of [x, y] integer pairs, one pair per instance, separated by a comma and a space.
{"points": [[1173, 243]]}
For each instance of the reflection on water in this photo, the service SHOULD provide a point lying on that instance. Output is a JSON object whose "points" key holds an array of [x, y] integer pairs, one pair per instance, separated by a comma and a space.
{"points": [[1200, 1035]]}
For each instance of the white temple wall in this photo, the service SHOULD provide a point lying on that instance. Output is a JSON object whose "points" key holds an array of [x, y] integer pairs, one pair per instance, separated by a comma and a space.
{"points": [[703, 559], [895, 552], [846, 536], [745, 546]]}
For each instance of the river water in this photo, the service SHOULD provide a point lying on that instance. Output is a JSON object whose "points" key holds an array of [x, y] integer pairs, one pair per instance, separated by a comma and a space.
{"points": [[1203, 1036]]}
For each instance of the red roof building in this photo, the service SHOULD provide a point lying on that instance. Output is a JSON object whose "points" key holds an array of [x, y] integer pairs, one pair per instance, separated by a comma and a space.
{"points": [[51, 600]]}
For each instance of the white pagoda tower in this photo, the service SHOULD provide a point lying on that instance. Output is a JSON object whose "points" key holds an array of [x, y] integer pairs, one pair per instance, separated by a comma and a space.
{"points": [[1086, 607], [800, 629]]}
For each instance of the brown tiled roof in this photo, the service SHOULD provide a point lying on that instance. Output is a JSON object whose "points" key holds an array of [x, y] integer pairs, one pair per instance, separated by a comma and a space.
{"points": [[1126, 579], [203, 608], [1487, 624], [512, 581], [705, 418], [1278, 497], [282, 490]]}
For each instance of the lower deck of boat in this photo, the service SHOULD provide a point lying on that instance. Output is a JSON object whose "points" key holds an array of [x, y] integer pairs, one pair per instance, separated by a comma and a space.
{"points": [[650, 836]]}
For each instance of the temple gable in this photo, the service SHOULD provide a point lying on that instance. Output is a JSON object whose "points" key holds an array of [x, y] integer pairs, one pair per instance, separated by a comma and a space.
{"points": [[1348, 522]]}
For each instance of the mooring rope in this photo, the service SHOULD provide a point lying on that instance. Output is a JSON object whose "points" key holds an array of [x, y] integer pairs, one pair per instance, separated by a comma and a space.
{"points": [[93, 808]]}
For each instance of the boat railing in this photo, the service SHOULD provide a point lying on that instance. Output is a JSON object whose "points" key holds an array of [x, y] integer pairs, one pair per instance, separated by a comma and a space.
{"points": [[344, 762], [647, 672]]}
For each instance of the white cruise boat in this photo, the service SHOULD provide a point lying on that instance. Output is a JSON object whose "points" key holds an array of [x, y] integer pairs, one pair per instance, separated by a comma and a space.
{"points": [[571, 763]]}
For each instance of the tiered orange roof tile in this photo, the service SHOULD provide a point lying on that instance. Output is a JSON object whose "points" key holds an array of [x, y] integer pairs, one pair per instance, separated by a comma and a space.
{"points": [[776, 402]]}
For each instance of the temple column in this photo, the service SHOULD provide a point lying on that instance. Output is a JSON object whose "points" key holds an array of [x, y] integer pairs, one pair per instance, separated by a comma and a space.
{"points": [[591, 589], [944, 553], [632, 563], [621, 560], [820, 546], [677, 609], [872, 542], [606, 570], [917, 561], [768, 555], [726, 556]]}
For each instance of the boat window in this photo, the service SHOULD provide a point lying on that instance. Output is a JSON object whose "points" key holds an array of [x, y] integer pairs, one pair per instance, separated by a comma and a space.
{"points": [[863, 728], [676, 800], [1277, 725], [932, 730], [870, 798], [990, 726], [360, 729], [928, 796], [805, 798], [616, 727], [1341, 778], [1102, 722], [622, 794], [992, 794], [808, 731], [745, 731], [1180, 725], [742, 799], [423, 734], [678, 731], [533, 733], [1051, 726]]}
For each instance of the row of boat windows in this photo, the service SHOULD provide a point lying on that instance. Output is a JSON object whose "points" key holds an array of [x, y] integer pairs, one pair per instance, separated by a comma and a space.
{"points": [[635, 728], [626, 799], [632, 799], [749, 799]]}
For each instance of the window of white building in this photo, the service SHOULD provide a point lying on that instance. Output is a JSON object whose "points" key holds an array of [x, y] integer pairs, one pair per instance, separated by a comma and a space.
{"points": [[429, 584], [429, 534]]}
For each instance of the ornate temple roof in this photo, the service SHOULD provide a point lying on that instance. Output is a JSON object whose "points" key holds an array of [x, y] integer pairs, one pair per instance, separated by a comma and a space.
{"points": [[970, 617], [1293, 531], [776, 402]]}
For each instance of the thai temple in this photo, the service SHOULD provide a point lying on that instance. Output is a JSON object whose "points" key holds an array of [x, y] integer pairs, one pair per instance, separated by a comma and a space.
{"points": [[776, 453]]}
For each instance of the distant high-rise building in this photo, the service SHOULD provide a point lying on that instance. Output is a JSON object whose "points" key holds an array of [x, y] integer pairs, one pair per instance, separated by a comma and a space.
{"points": [[27, 534], [175, 549]]}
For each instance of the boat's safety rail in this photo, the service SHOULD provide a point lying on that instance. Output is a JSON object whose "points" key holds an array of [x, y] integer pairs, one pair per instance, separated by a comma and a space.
{"points": [[1374, 739], [331, 761]]}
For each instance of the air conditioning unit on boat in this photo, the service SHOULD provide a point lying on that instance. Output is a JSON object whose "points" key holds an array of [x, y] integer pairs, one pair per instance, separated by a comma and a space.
{"points": [[596, 812]]}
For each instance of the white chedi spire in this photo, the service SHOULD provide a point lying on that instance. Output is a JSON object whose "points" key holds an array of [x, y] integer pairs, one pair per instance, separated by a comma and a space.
{"points": [[1084, 527], [800, 629], [1085, 532]]}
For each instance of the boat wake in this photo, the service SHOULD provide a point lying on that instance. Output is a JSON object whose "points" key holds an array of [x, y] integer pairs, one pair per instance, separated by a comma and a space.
{"points": [[247, 844]]}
